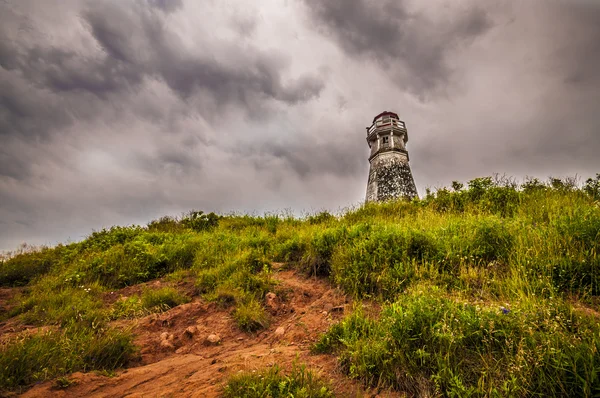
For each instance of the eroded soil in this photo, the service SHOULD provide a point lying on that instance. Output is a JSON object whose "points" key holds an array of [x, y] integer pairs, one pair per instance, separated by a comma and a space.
{"points": [[176, 360]]}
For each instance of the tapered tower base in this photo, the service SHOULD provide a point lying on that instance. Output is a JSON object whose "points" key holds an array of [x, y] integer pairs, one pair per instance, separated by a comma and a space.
{"points": [[390, 178]]}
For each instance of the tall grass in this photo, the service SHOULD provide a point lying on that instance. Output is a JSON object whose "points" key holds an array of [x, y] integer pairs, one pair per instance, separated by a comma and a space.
{"points": [[531, 247], [301, 382], [49, 354], [151, 300], [426, 343]]}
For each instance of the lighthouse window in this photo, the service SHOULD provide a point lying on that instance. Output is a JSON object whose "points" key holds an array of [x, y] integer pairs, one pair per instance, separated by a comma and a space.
{"points": [[386, 140]]}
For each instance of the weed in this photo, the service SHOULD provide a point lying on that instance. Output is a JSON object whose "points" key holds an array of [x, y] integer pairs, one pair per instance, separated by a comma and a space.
{"points": [[251, 316], [151, 300]]}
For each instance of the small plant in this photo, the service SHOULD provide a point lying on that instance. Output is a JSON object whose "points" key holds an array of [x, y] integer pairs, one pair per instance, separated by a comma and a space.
{"points": [[64, 382], [151, 300], [163, 298], [320, 218], [317, 259], [251, 316], [273, 383]]}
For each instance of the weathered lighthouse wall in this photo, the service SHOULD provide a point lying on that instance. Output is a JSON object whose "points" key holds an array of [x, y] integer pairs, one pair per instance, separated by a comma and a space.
{"points": [[390, 177]]}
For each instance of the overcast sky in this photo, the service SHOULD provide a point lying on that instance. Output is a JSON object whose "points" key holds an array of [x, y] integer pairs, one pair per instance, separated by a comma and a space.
{"points": [[119, 112]]}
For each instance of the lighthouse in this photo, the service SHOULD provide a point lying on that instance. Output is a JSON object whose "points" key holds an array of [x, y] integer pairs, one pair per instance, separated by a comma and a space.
{"points": [[389, 175]]}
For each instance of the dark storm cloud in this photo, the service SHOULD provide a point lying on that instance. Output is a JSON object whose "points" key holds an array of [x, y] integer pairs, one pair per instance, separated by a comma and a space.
{"points": [[136, 45], [579, 55], [118, 112], [167, 5], [140, 40], [45, 87], [307, 158], [411, 46]]}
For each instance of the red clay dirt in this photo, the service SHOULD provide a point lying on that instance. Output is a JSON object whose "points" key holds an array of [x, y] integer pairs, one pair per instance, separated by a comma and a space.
{"points": [[175, 359]]}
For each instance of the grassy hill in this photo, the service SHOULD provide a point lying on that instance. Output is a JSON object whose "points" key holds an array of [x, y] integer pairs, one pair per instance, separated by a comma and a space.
{"points": [[488, 290]]}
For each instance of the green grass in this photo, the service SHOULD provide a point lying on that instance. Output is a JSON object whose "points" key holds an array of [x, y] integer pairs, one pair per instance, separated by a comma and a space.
{"points": [[273, 383], [150, 301], [427, 342], [50, 354], [251, 316], [456, 255]]}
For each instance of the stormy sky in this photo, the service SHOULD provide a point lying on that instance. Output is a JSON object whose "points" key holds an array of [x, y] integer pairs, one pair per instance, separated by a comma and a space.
{"points": [[119, 112]]}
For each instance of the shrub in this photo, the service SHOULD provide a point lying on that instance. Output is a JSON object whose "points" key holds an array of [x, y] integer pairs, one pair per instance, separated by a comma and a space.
{"points": [[125, 264], [320, 218], [165, 224], [106, 238], [492, 241], [291, 249], [592, 187], [23, 267], [382, 260], [198, 221], [67, 305], [163, 298]]}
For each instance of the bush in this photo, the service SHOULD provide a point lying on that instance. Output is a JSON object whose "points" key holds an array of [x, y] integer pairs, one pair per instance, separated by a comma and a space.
{"points": [[64, 306], [300, 383], [320, 218], [24, 267], [382, 260], [165, 224], [122, 265], [492, 241], [106, 238], [291, 249], [592, 187], [198, 221]]}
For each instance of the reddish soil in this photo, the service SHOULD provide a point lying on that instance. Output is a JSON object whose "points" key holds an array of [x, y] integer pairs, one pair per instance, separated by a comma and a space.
{"points": [[187, 366]]}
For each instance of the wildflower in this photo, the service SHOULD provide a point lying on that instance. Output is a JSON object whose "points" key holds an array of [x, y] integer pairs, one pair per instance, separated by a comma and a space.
{"points": [[504, 310]]}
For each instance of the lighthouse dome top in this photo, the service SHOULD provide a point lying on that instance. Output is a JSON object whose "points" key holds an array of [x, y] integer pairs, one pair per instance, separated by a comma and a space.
{"points": [[386, 113]]}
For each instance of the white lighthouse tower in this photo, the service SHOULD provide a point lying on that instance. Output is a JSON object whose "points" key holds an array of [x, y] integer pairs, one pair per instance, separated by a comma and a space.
{"points": [[389, 175]]}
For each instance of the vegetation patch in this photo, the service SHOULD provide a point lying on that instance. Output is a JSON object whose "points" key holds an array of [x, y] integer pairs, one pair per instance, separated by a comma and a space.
{"points": [[426, 343], [274, 383], [441, 266], [151, 300], [49, 354]]}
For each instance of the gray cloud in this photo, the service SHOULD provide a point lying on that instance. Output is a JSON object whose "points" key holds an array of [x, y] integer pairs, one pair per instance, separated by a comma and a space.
{"points": [[138, 40], [166, 5], [120, 112], [411, 45]]}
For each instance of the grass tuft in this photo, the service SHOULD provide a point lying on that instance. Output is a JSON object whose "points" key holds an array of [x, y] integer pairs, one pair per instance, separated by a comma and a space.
{"points": [[273, 383]]}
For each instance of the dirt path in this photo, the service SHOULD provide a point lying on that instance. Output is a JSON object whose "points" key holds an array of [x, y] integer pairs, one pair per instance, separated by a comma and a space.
{"points": [[186, 366]]}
